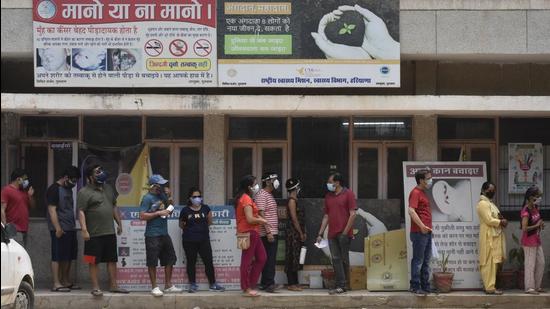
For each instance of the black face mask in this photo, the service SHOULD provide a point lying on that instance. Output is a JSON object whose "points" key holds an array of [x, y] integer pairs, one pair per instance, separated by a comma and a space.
{"points": [[490, 194]]}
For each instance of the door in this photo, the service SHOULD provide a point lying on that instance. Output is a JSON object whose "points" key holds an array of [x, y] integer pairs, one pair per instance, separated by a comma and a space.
{"points": [[484, 152]]}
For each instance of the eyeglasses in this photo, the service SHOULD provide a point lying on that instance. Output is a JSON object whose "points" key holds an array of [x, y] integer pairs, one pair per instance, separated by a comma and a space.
{"points": [[195, 196]]}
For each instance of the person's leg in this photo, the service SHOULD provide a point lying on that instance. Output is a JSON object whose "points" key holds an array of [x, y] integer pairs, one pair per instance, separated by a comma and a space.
{"points": [[292, 277], [260, 258], [92, 256], [93, 277], [110, 256], [337, 264], [64, 270], [152, 270], [55, 258], [530, 267], [416, 261], [205, 251], [539, 267], [168, 259], [246, 264], [151, 253], [344, 242], [191, 249], [425, 269], [268, 273]]}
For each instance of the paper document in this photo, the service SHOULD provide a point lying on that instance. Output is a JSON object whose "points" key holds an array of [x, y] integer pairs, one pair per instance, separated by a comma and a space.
{"points": [[322, 244]]}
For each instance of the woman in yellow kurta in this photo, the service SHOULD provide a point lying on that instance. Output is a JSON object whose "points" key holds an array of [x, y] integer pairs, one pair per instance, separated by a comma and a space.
{"points": [[492, 243]]}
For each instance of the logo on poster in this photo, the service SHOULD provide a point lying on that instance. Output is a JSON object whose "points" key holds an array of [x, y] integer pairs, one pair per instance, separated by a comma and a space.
{"points": [[124, 183], [46, 9], [384, 70]]}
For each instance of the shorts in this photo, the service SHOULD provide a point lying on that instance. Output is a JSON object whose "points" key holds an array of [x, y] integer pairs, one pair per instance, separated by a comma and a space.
{"points": [[64, 248], [160, 248], [100, 249]]}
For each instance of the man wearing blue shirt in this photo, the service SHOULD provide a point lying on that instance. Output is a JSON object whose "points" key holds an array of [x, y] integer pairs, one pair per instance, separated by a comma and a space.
{"points": [[155, 209]]}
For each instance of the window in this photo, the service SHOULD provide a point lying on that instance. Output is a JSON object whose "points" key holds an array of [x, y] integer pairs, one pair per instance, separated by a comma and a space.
{"points": [[174, 128], [370, 128], [49, 127], [247, 128], [319, 146], [466, 128], [112, 131]]}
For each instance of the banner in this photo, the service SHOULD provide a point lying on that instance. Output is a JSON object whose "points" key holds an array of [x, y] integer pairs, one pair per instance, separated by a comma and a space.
{"points": [[297, 43], [453, 200], [132, 269], [124, 43], [163, 43], [131, 187], [525, 166]]}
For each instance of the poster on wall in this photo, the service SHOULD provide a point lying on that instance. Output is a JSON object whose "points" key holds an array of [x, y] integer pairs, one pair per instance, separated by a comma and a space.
{"points": [[124, 43], [453, 199], [525, 166], [305, 43], [132, 269]]}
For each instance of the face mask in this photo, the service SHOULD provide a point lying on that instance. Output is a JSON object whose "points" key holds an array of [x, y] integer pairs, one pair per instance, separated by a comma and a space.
{"points": [[331, 187], [538, 200], [490, 194], [196, 201], [429, 183], [25, 184], [101, 177], [276, 184], [298, 191], [255, 189], [69, 184]]}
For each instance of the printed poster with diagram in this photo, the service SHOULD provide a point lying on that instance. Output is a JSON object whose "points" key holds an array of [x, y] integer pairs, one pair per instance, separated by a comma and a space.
{"points": [[308, 43], [453, 200], [124, 43], [525, 166]]}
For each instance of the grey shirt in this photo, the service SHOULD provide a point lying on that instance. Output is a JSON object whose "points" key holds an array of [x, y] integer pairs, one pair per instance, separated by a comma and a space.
{"points": [[62, 199]]}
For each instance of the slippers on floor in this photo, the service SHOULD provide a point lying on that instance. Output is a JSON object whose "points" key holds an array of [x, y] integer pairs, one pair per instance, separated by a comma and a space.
{"points": [[251, 294], [61, 289], [73, 286], [119, 290], [97, 293]]}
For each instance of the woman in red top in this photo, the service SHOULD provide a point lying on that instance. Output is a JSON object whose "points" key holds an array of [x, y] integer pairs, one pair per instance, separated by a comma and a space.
{"points": [[532, 224], [248, 220]]}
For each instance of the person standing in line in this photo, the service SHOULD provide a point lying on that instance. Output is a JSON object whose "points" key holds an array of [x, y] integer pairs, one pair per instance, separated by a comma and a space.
{"points": [[97, 209], [269, 233], [62, 226], [155, 209], [421, 233], [248, 221], [492, 241], [17, 200], [194, 221], [340, 211], [532, 225], [295, 234]]}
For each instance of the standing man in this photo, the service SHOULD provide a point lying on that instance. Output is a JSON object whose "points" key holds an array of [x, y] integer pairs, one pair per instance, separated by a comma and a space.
{"points": [[269, 232], [97, 209], [62, 224], [340, 209], [421, 233], [155, 209], [17, 199]]}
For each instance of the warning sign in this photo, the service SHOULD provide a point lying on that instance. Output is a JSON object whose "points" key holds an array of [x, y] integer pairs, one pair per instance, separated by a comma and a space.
{"points": [[202, 48], [178, 47], [153, 47]]}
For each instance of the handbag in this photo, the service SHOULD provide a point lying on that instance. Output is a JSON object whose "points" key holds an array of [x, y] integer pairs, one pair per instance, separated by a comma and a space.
{"points": [[243, 240]]}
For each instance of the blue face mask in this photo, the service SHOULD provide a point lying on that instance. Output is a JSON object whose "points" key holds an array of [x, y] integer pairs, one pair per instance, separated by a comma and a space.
{"points": [[101, 177], [196, 201]]}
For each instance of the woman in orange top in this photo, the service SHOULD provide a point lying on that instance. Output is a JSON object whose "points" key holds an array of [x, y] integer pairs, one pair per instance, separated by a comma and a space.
{"points": [[248, 220]]}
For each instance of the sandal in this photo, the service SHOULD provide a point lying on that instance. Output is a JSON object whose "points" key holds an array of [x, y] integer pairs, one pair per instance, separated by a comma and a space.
{"points": [[337, 291], [294, 288], [532, 292], [73, 286], [251, 293], [97, 292], [494, 292], [119, 290], [61, 289], [540, 290]]}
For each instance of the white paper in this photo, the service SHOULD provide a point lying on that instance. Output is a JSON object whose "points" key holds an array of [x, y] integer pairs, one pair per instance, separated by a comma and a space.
{"points": [[322, 244]]}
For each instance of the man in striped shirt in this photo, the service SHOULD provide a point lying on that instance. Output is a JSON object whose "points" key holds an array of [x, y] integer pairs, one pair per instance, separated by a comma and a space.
{"points": [[268, 210]]}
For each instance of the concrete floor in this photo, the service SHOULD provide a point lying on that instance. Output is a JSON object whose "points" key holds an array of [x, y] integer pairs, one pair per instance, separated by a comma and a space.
{"points": [[285, 299]]}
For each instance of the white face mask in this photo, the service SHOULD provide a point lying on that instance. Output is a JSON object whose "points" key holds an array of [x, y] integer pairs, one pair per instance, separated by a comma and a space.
{"points": [[255, 189], [429, 183], [538, 200], [276, 184], [331, 187]]}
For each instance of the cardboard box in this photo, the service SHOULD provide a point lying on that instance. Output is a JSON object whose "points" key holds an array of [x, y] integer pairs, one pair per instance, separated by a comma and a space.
{"points": [[386, 261], [357, 278]]}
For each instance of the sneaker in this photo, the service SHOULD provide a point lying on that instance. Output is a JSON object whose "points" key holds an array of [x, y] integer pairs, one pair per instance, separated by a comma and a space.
{"points": [[156, 292], [419, 292], [337, 291], [217, 288], [193, 288], [173, 289]]}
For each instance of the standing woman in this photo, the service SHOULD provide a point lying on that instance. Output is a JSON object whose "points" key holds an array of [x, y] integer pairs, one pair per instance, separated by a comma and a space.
{"points": [[532, 224], [295, 235], [194, 222], [248, 220]]}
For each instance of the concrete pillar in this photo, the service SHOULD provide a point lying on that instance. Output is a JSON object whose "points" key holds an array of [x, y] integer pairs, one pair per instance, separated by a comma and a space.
{"points": [[425, 138], [214, 173]]}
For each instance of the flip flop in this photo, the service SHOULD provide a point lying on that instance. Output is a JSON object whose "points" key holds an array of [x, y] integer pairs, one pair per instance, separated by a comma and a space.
{"points": [[251, 294], [119, 290], [61, 289], [97, 293], [73, 286]]}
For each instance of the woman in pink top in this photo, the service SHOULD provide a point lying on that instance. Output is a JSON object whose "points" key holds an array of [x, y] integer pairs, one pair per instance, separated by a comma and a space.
{"points": [[532, 224]]}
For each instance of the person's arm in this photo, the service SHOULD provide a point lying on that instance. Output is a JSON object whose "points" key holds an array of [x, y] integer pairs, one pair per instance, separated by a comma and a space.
{"points": [[324, 224], [182, 220], [413, 204], [352, 207], [249, 214], [116, 216], [261, 203], [484, 214], [4, 205], [349, 225], [146, 216], [83, 227], [209, 218], [32, 201], [294, 216], [82, 204], [525, 224], [55, 221]]}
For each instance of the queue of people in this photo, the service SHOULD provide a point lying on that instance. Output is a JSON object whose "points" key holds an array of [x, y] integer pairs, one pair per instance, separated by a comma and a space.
{"points": [[257, 228]]}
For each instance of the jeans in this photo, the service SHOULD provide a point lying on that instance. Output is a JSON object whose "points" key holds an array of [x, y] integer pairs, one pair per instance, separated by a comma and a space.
{"points": [[420, 263], [339, 251], [204, 249], [268, 274]]}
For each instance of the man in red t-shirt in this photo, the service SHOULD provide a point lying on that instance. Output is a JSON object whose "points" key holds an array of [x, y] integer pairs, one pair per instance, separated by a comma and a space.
{"points": [[421, 233], [340, 208], [17, 198]]}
